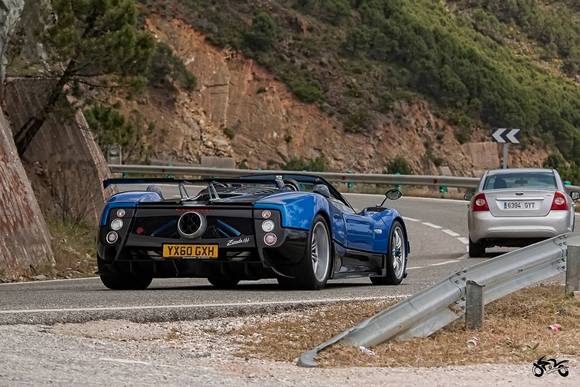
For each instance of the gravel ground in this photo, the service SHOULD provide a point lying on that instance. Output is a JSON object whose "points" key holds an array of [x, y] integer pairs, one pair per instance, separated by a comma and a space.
{"points": [[203, 353]]}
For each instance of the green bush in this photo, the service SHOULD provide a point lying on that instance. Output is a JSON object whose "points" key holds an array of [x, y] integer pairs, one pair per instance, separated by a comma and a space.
{"points": [[568, 170], [399, 165], [230, 133], [165, 66], [110, 126], [358, 122], [462, 134], [333, 11], [299, 164], [305, 91], [262, 34]]}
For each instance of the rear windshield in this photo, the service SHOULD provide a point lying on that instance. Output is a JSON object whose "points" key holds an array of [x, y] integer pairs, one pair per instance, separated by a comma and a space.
{"points": [[543, 180]]}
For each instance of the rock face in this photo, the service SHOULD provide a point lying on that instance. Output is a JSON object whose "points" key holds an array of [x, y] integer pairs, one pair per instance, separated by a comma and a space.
{"points": [[64, 163], [267, 126], [10, 11], [483, 154], [24, 241]]}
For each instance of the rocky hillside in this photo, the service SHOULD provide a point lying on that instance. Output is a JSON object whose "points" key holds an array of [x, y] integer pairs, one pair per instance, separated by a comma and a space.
{"points": [[350, 85], [241, 109], [359, 83]]}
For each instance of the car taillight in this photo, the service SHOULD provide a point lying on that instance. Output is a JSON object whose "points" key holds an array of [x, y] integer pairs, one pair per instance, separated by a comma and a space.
{"points": [[479, 203], [559, 203]]}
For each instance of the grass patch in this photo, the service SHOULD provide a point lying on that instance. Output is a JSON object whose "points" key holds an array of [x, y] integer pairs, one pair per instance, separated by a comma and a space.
{"points": [[74, 249], [516, 330]]}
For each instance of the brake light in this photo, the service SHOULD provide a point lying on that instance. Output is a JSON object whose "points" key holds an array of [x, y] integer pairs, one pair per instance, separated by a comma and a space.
{"points": [[559, 203], [479, 203]]}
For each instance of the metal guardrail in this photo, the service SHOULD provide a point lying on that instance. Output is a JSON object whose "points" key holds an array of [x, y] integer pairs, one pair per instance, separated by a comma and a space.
{"points": [[433, 308], [450, 181], [423, 180]]}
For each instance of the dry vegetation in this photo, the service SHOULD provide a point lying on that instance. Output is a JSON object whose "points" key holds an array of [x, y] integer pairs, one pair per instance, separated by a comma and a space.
{"points": [[516, 330], [74, 250]]}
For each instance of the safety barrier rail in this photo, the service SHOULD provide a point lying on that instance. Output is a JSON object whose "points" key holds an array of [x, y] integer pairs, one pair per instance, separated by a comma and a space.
{"points": [[422, 180], [433, 308]]}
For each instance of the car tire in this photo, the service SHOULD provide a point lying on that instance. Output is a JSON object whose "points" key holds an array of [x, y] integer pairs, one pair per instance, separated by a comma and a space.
{"points": [[118, 281], [224, 282], [476, 249], [396, 259], [313, 270]]}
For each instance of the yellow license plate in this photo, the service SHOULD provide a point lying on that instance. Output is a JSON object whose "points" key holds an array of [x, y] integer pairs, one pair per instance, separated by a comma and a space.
{"points": [[190, 251]]}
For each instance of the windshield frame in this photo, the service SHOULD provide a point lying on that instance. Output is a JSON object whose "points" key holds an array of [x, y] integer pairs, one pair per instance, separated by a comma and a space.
{"points": [[307, 179]]}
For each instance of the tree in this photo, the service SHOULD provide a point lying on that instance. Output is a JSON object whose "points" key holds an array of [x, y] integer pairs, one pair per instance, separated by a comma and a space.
{"points": [[262, 34], [330, 10], [91, 39], [110, 126]]}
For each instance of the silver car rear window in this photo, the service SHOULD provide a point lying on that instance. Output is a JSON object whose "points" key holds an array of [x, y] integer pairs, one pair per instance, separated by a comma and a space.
{"points": [[542, 180]]}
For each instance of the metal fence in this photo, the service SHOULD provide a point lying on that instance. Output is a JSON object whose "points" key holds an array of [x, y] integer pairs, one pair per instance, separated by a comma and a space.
{"points": [[435, 307], [419, 180]]}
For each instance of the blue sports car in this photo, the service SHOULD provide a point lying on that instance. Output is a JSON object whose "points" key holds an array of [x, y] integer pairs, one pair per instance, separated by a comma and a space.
{"points": [[297, 228]]}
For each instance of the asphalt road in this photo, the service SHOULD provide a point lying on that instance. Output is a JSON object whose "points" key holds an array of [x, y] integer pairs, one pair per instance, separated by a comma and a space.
{"points": [[200, 352], [437, 231]]}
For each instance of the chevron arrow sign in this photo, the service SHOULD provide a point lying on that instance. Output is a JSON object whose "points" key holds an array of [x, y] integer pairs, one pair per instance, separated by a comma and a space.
{"points": [[506, 136]]}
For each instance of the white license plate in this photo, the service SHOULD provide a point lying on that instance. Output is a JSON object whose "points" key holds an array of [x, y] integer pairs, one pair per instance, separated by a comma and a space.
{"points": [[519, 205]]}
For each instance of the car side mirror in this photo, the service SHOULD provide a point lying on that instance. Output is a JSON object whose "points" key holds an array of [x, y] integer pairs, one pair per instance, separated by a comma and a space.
{"points": [[575, 195], [321, 189], [468, 195], [393, 194]]}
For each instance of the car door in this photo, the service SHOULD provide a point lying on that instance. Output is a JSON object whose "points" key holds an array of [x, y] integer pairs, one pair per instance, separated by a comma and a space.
{"points": [[359, 232]]}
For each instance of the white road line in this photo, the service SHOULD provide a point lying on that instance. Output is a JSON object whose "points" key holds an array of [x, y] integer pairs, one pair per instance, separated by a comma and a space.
{"points": [[451, 233], [463, 240], [410, 219], [408, 197], [444, 262], [439, 263], [190, 306], [432, 225], [48, 281], [457, 201]]}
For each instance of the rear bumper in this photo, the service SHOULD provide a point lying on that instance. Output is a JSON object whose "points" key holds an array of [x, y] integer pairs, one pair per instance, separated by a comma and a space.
{"points": [[158, 268], [142, 256], [483, 225]]}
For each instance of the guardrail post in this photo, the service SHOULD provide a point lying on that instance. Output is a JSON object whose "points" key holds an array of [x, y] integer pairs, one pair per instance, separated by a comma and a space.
{"points": [[573, 269], [473, 306]]}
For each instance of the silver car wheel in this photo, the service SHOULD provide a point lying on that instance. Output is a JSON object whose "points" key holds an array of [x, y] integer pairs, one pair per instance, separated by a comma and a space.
{"points": [[398, 251], [320, 251]]}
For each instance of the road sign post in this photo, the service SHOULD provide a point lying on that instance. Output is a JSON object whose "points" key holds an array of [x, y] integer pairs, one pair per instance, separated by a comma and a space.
{"points": [[506, 137], [506, 155]]}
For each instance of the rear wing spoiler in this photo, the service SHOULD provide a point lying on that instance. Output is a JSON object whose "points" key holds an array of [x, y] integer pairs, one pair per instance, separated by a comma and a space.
{"points": [[109, 182]]}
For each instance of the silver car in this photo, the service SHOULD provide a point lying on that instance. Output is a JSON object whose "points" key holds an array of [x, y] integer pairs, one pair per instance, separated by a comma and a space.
{"points": [[515, 207]]}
